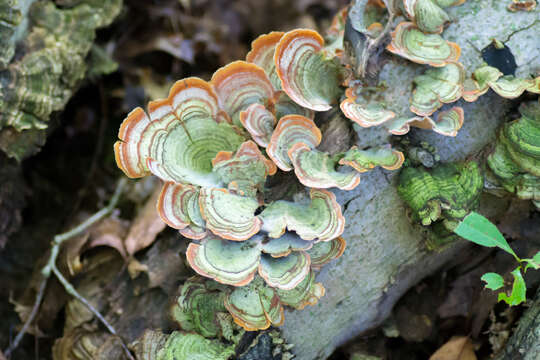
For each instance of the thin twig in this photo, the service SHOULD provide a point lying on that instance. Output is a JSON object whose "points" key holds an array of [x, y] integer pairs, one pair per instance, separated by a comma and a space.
{"points": [[71, 291], [51, 267]]}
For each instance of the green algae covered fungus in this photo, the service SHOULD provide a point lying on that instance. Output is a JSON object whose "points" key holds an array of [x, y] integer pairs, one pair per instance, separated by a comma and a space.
{"points": [[515, 162], [443, 195]]}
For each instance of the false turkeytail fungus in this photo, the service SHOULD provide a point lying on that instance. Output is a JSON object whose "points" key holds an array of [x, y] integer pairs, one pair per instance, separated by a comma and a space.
{"points": [[411, 43], [291, 129], [317, 169], [436, 87], [510, 87], [306, 76], [325, 251], [198, 141], [448, 123], [320, 220], [237, 225], [244, 172], [427, 14], [240, 84], [255, 306], [365, 160], [262, 54]]}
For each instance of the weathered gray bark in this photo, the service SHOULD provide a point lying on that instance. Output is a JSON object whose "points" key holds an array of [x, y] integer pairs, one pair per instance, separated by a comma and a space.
{"points": [[525, 343], [385, 255]]}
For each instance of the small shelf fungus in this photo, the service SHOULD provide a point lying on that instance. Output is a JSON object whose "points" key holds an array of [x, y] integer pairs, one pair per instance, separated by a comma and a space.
{"points": [[515, 161], [216, 143], [410, 42], [507, 86]]}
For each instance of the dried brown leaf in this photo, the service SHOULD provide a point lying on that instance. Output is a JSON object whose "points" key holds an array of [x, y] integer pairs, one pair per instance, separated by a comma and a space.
{"points": [[146, 226], [457, 348]]}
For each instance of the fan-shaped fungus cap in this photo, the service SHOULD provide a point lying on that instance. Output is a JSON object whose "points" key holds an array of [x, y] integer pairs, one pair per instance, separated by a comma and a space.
{"points": [[285, 272], [283, 245], [240, 84], [262, 54], [217, 209], [428, 16], [316, 169], [437, 86], [365, 115], [178, 207], [448, 123], [246, 171], [197, 307], [321, 220], [411, 43], [255, 307], [227, 262], [259, 122], [308, 292], [291, 129], [365, 160], [325, 251], [170, 140], [308, 78], [509, 87]]}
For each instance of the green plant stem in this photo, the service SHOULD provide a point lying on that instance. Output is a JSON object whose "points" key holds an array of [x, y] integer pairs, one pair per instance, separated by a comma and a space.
{"points": [[50, 266]]}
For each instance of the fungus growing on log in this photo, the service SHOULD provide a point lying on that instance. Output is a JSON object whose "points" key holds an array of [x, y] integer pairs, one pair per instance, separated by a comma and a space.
{"points": [[291, 129], [318, 170], [262, 54], [228, 262], [445, 194], [325, 251], [436, 87], [178, 139], [508, 86], [515, 162], [426, 14], [306, 76], [320, 219], [411, 43], [365, 160], [240, 224], [259, 122], [239, 85], [255, 306], [244, 172]]}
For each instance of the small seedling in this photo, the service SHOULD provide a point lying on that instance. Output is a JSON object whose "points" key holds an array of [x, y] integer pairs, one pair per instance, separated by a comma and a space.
{"points": [[476, 228]]}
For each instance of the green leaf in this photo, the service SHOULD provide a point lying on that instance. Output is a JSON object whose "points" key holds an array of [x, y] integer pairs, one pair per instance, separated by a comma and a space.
{"points": [[533, 263], [476, 228], [519, 290], [493, 281]]}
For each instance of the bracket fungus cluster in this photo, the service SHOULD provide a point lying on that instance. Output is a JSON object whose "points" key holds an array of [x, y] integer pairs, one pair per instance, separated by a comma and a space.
{"points": [[214, 144], [417, 40]]}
